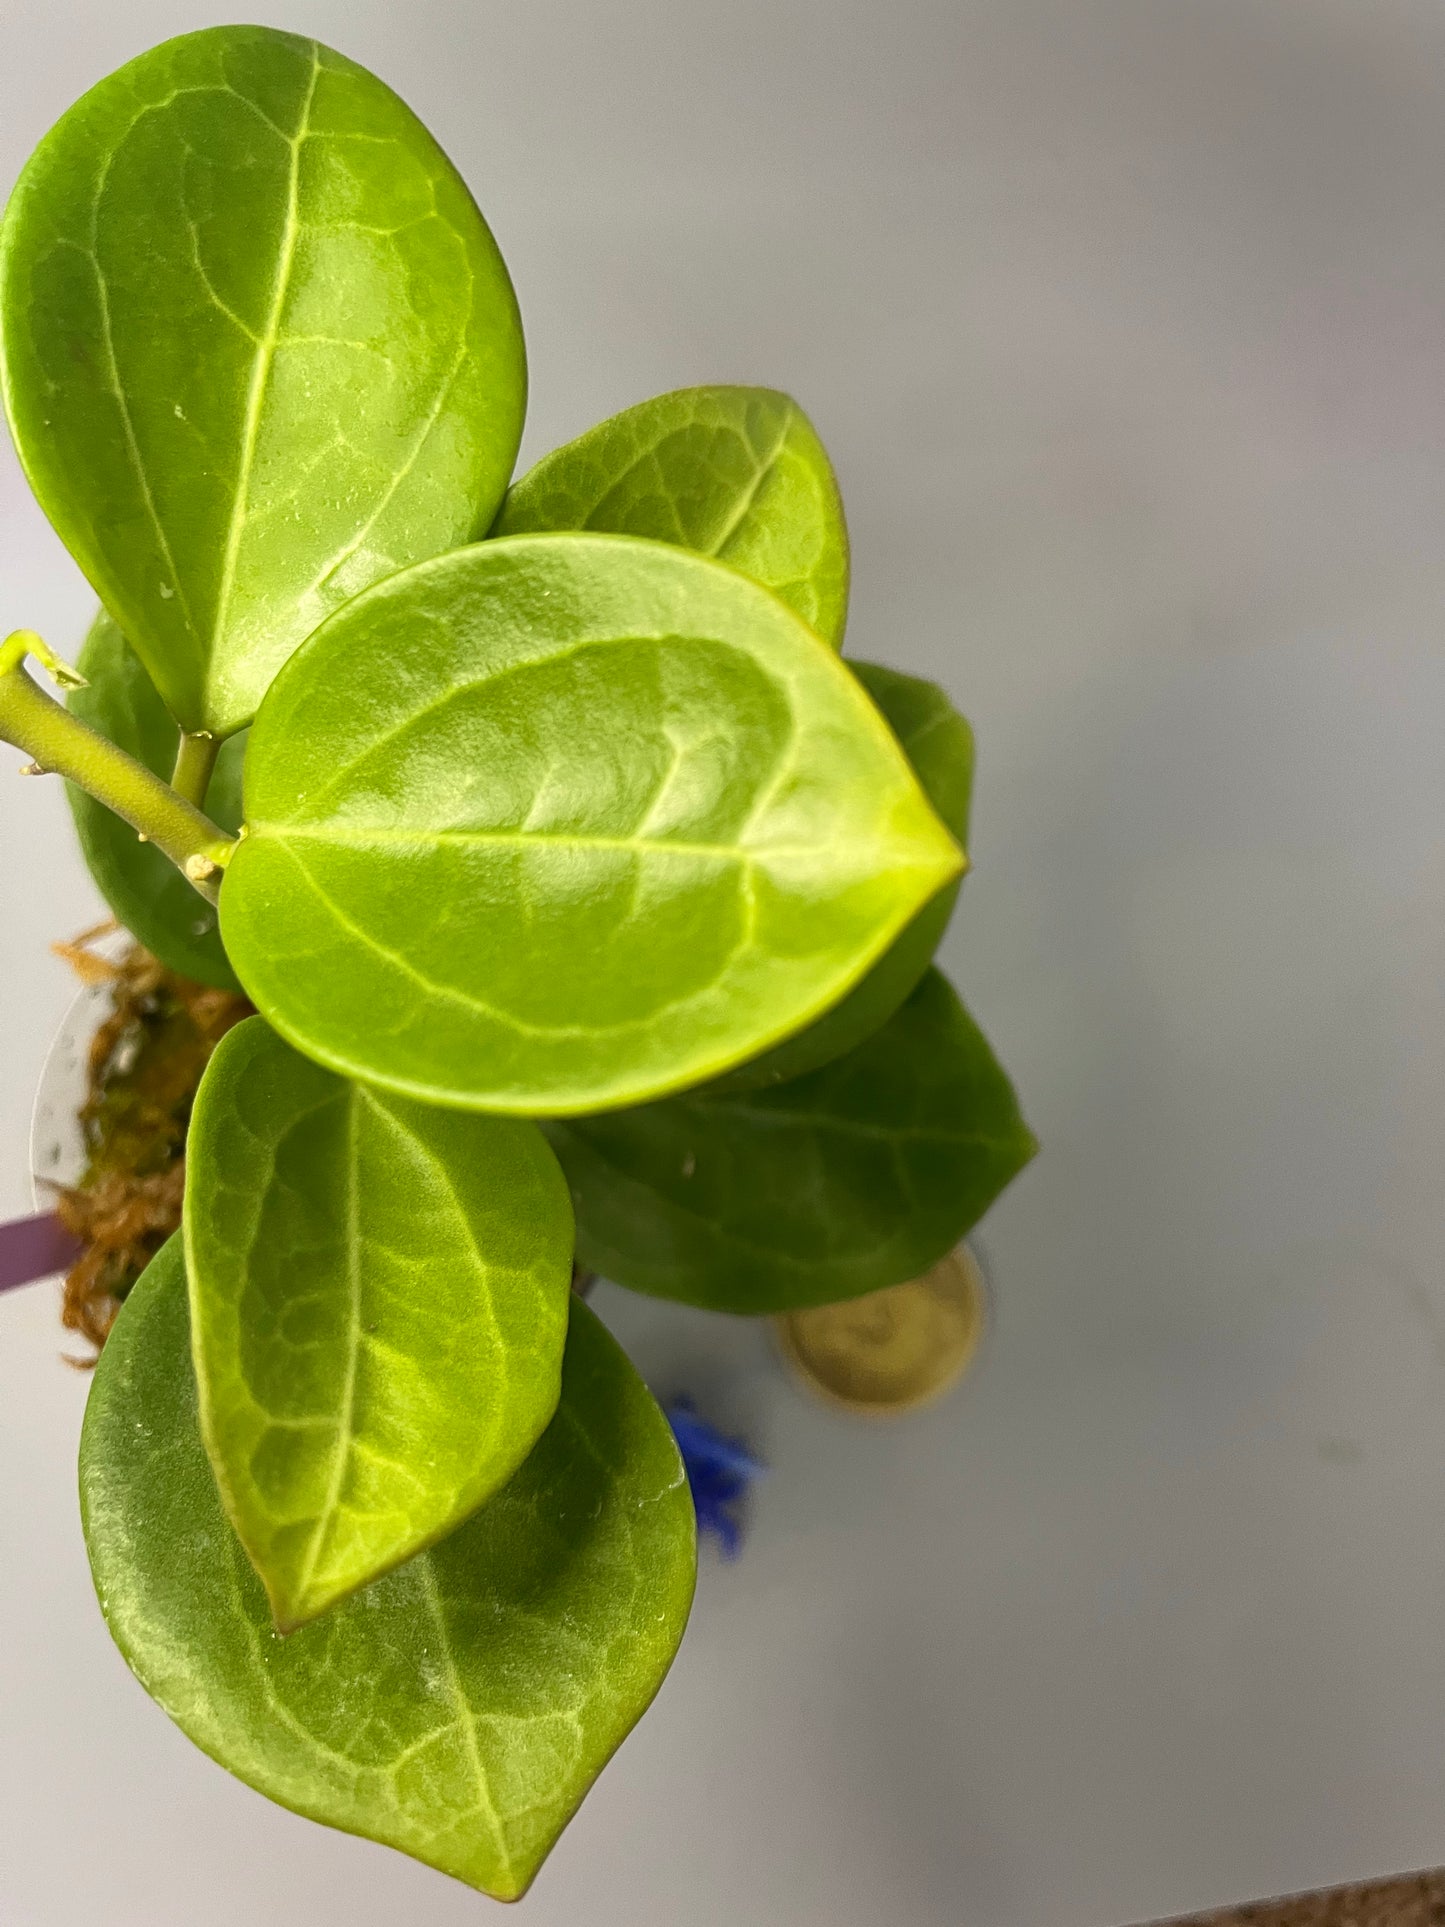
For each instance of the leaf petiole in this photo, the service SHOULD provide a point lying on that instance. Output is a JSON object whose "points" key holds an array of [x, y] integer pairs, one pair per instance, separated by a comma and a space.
{"points": [[195, 760], [63, 744]]}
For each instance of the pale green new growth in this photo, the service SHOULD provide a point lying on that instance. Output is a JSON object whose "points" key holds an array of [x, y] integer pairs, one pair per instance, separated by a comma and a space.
{"points": [[459, 1708], [25, 642], [379, 1301]]}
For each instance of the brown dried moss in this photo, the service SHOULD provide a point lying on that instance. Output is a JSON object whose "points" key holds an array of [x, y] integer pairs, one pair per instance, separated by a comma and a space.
{"points": [[146, 1060]]}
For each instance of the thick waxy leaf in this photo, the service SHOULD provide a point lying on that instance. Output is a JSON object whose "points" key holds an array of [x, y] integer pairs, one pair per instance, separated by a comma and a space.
{"points": [[939, 744], [143, 887], [857, 1176], [459, 1708], [379, 1300], [607, 822], [737, 473], [259, 349]]}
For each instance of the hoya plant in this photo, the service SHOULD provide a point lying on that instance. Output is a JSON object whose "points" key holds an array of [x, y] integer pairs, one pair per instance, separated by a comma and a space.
{"points": [[585, 894]]}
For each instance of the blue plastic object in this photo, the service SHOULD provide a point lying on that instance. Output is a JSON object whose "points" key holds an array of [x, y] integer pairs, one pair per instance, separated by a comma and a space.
{"points": [[719, 1470]]}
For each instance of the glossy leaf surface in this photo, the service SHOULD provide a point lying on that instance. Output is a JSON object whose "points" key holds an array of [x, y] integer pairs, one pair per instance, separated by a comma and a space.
{"points": [[259, 350], [607, 822], [855, 1177], [736, 473], [379, 1296], [144, 888], [459, 1708], [939, 744]]}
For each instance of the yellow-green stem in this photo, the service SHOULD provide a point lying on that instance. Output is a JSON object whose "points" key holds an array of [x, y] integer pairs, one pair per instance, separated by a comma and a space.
{"points": [[195, 760], [60, 742]]}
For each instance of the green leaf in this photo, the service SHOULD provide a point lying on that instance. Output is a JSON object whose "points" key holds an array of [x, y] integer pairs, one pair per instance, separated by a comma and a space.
{"points": [[606, 822], [736, 473], [855, 1177], [379, 1304], [144, 888], [458, 1709], [939, 744], [259, 350]]}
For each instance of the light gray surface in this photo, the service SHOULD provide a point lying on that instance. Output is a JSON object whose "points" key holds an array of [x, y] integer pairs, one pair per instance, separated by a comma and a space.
{"points": [[1124, 323]]}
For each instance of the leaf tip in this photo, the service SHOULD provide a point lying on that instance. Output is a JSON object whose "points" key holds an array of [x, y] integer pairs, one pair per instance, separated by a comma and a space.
{"points": [[946, 861], [291, 1609]]}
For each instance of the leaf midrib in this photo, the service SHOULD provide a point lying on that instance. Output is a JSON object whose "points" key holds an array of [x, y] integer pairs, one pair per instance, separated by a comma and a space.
{"points": [[750, 495], [264, 359], [364, 834], [346, 1416], [465, 1716], [431, 986]]}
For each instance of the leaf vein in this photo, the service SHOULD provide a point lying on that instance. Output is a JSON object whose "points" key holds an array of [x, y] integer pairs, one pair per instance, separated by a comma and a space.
{"points": [[345, 1427], [264, 359], [465, 1717]]}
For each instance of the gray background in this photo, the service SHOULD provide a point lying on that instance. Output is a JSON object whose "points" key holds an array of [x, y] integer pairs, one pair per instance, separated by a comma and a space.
{"points": [[1124, 325]]}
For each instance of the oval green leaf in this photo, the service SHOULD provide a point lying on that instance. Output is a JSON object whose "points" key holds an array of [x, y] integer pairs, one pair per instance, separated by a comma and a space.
{"points": [[939, 744], [259, 350], [379, 1297], [144, 889], [460, 1708], [855, 1177], [608, 822], [736, 473]]}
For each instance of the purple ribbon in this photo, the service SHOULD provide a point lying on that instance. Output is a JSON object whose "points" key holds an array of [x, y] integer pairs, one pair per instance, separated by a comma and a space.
{"points": [[32, 1248]]}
